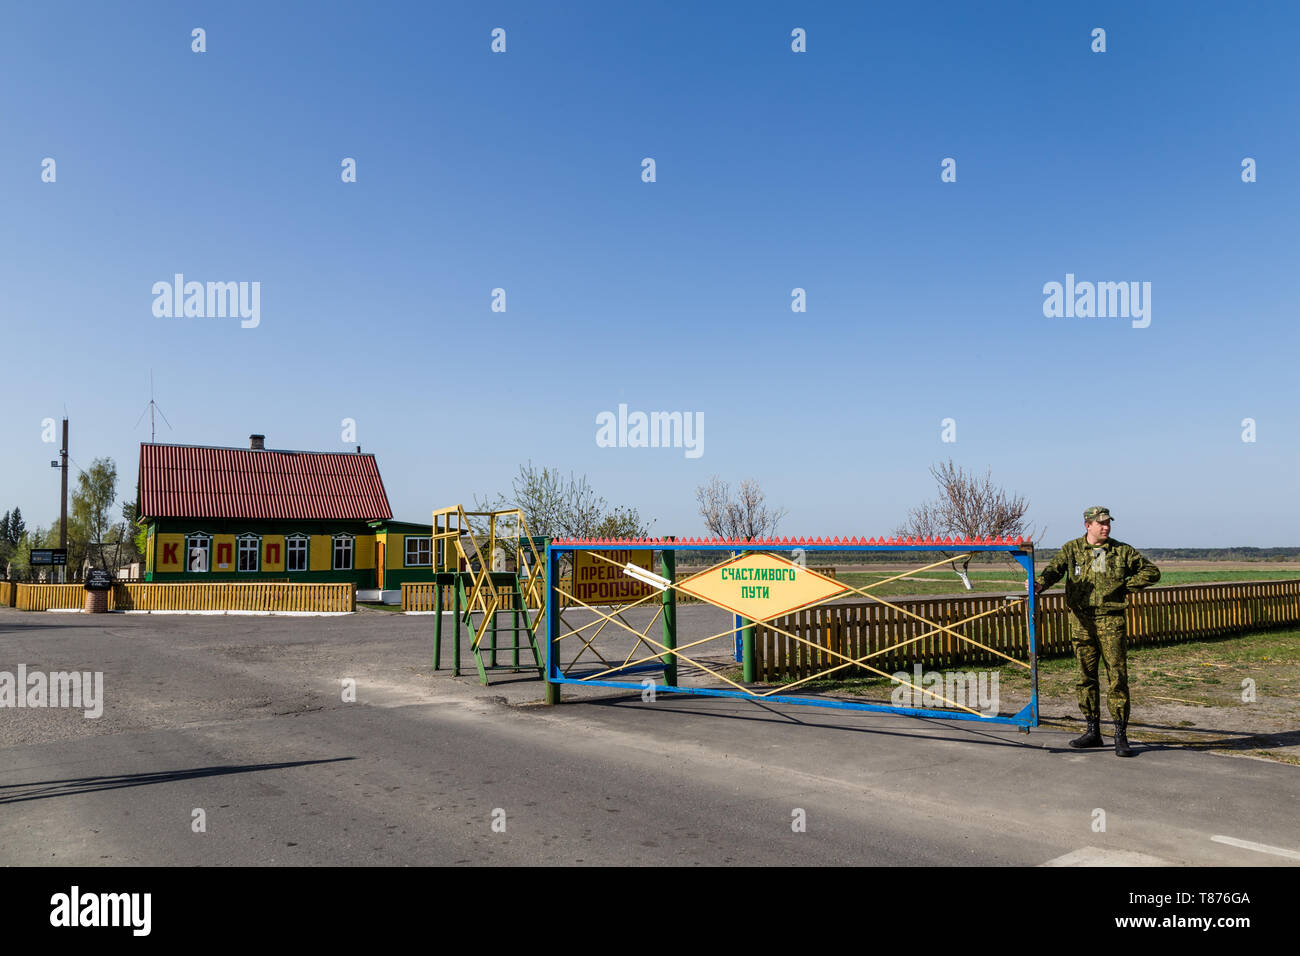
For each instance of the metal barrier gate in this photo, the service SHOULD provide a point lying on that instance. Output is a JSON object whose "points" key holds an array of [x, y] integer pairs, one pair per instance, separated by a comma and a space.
{"points": [[754, 582]]}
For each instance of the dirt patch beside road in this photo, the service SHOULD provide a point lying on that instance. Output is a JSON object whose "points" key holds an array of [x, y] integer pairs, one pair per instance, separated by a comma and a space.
{"points": [[1238, 695]]}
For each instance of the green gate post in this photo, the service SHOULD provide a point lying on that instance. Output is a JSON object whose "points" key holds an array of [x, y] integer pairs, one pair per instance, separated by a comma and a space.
{"points": [[493, 626], [437, 624], [516, 599], [668, 568], [747, 651], [746, 642], [542, 624], [455, 603]]}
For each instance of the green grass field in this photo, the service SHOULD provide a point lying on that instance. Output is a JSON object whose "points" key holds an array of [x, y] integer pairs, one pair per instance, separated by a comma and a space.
{"points": [[939, 581]]}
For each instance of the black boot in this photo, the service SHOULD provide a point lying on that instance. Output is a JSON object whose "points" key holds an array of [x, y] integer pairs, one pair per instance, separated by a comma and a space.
{"points": [[1122, 749], [1091, 737]]}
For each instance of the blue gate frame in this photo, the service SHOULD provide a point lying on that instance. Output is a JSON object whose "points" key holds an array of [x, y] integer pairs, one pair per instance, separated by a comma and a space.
{"points": [[1022, 552]]}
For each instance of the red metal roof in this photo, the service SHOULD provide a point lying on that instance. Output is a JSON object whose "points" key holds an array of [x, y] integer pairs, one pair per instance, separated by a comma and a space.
{"points": [[187, 481]]}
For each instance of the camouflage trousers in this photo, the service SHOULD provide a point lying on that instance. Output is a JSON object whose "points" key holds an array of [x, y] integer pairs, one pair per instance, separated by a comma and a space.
{"points": [[1101, 636]]}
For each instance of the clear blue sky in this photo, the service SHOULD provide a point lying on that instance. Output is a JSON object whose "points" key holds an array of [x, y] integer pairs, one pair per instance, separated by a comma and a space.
{"points": [[775, 170]]}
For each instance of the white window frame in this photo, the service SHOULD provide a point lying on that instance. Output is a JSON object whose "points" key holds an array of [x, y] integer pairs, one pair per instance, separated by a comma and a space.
{"points": [[345, 543], [427, 549], [245, 543], [290, 540], [193, 542]]}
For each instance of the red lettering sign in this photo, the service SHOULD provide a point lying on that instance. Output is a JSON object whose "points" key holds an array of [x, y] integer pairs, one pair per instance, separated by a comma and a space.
{"points": [[169, 553], [223, 553], [272, 554]]}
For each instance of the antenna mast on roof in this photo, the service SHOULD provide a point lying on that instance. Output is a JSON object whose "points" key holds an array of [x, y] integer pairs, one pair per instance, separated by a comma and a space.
{"points": [[151, 408]]}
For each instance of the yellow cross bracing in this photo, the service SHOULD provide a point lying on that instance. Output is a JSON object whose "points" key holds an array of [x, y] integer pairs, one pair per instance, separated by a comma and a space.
{"points": [[455, 541], [644, 638], [588, 644]]}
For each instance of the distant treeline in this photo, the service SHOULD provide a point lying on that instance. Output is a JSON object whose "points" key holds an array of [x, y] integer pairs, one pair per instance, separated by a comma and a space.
{"points": [[1223, 554], [1041, 555]]}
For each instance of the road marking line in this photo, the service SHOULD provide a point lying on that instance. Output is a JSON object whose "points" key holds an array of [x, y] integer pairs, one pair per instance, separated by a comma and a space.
{"points": [[1101, 856], [1257, 847]]}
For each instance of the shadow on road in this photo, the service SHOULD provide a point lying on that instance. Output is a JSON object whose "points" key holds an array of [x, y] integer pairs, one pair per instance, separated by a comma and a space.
{"points": [[15, 628], [1230, 740], [43, 790], [495, 678]]}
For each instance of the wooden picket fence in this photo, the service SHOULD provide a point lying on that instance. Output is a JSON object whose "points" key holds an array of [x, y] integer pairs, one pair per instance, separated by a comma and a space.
{"points": [[419, 595], [44, 597], [214, 596], [1159, 615]]}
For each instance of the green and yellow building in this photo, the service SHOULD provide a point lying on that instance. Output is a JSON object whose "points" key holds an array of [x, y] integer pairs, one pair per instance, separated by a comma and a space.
{"points": [[258, 514]]}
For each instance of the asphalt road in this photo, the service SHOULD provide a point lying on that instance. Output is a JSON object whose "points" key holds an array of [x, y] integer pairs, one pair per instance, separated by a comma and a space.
{"points": [[243, 718]]}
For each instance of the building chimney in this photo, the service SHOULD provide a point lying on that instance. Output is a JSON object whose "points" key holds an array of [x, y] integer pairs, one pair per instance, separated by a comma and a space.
{"points": [[257, 442], [358, 449]]}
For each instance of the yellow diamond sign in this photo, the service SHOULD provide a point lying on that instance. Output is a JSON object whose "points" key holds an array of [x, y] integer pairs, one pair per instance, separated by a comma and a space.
{"points": [[761, 586]]}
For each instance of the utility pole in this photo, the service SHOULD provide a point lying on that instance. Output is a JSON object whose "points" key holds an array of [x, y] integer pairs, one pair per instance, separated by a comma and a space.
{"points": [[63, 501]]}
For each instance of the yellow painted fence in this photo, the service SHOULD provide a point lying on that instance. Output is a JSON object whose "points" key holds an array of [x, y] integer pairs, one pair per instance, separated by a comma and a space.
{"points": [[43, 597], [419, 595], [217, 596], [1159, 615]]}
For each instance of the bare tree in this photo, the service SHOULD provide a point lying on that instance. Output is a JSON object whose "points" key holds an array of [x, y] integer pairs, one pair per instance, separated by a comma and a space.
{"points": [[967, 506], [623, 523], [746, 516], [559, 507]]}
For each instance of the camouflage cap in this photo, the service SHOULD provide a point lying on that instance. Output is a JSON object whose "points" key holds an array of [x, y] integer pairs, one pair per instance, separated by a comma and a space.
{"points": [[1097, 513]]}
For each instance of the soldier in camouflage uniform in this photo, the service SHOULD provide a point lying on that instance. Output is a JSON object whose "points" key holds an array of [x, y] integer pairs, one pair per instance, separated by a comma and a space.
{"points": [[1099, 572]]}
